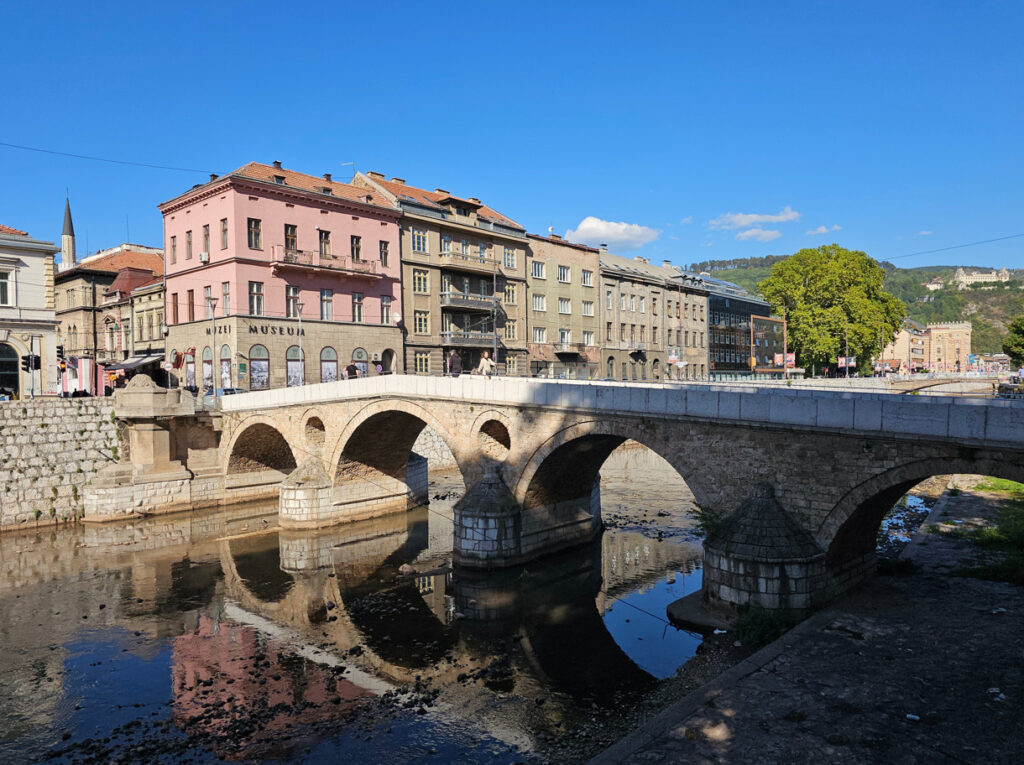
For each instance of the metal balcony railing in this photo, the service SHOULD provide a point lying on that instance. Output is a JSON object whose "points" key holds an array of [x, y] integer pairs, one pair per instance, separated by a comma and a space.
{"points": [[311, 259], [456, 299], [468, 339], [570, 347], [469, 261]]}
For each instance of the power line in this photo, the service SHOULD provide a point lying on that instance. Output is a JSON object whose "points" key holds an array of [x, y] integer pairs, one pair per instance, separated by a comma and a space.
{"points": [[103, 159], [957, 246]]}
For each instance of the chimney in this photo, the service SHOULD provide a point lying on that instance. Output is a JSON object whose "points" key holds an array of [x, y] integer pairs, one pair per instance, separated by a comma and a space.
{"points": [[396, 179], [327, 177], [666, 264], [213, 176], [555, 236], [640, 259], [603, 248], [277, 164], [441, 191], [474, 200], [375, 174]]}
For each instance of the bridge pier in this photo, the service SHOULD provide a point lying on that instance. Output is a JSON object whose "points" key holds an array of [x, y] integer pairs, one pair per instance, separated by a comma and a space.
{"points": [[760, 556]]}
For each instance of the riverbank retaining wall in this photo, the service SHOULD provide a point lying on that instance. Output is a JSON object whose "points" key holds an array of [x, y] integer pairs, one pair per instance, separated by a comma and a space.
{"points": [[50, 449]]}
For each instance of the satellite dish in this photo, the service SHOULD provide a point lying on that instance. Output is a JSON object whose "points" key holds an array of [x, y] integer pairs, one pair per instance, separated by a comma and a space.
{"points": [[551, 229]]}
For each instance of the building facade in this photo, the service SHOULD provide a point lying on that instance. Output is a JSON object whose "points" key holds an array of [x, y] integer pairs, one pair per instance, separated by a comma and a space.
{"points": [[686, 322], [463, 278], [93, 308], [944, 347], [744, 340], [562, 282], [28, 325], [279, 278], [965, 280]]}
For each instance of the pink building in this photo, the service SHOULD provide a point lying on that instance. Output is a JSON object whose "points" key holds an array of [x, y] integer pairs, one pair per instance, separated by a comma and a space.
{"points": [[279, 278]]}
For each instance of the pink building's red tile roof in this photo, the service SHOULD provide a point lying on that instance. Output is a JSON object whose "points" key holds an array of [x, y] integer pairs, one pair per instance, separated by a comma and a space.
{"points": [[8, 230], [114, 262], [315, 183], [434, 198]]}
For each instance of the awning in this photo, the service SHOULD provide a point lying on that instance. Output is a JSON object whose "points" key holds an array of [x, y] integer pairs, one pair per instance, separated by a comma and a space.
{"points": [[134, 362]]}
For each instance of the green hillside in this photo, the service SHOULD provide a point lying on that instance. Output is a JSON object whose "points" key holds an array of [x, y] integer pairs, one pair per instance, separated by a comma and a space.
{"points": [[989, 309]]}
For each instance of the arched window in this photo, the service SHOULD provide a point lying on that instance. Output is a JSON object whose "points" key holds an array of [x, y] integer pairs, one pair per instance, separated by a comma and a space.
{"points": [[328, 365], [207, 367], [611, 368], [295, 366], [190, 368], [359, 358], [259, 368], [655, 368], [225, 367]]}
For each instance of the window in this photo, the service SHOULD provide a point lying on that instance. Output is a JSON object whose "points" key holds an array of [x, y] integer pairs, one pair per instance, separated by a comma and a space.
{"points": [[225, 292], [587, 278], [420, 283], [540, 303], [632, 303], [149, 327], [255, 228], [446, 244], [295, 366], [511, 364], [325, 242], [383, 254], [138, 328], [481, 251], [643, 331], [422, 361], [328, 364], [540, 335], [564, 305], [174, 308], [291, 301], [327, 305], [564, 336], [510, 258], [622, 333], [510, 294], [5, 289], [291, 237], [643, 304], [563, 274], [191, 301], [538, 270], [510, 329], [188, 245], [622, 301], [588, 307], [255, 298], [608, 331], [357, 247], [421, 322], [357, 306], [464, 245], [623, 370], [223, 233], [206, 237], [385, 310], [174, 249], [588, 337]]}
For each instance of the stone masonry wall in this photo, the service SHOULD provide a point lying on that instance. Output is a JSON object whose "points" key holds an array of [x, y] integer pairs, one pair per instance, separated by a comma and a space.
{"points": [[430, 445], [49, 450]]}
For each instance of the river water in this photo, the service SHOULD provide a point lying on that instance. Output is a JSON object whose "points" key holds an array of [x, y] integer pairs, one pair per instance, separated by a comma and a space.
{"points": [[196, 638]]}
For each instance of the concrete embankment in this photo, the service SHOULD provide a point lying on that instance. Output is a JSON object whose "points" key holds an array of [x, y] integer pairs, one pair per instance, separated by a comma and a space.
{"points": [[49, 450]]}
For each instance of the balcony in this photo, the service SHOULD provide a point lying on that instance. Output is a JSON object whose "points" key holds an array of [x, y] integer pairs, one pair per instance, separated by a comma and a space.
{"points": [[466, 262], [464, 339], [467, 301], [569, 348], [307, 259]]}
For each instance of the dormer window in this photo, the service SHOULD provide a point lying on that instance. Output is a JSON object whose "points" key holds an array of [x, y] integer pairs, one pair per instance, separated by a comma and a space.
{"points": [[326, 189], [462, 211], [279, 179]]}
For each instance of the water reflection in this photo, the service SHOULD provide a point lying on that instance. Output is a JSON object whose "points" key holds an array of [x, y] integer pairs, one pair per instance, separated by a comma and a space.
{"points": [[242, 641]]}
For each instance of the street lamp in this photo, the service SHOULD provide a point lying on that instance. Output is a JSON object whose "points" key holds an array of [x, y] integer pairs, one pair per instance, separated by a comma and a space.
{"points": [[302, 353], [214, 353]]}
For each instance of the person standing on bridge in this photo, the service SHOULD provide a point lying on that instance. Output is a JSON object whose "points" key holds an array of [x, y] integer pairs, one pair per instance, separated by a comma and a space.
{"points": [[486, 365], [352, 371], [454, 363], [1020, 374]]}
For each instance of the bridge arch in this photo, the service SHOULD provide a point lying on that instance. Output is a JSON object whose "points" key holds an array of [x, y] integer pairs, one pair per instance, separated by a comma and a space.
{"points": [[849, 531], [257, 446]]}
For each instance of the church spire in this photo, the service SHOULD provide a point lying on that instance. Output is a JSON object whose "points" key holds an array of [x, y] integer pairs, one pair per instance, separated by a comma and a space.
{"points": [[67, 239]]}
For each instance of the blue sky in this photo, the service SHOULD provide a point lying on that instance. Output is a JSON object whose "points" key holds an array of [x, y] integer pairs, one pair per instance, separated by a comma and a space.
{"points": [[707, 130]]}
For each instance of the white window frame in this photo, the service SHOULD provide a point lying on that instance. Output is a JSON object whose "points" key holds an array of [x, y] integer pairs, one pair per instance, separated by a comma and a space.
{"points": [[564, 305], [540, 302]]}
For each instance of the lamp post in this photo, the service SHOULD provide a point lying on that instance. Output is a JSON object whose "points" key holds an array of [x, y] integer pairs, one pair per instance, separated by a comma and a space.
{"points": [[302, 352], [214, 353]]}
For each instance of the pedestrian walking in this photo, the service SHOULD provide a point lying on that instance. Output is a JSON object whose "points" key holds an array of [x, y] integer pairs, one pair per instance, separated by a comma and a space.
{"points": [[454, 363], [486, 365]]}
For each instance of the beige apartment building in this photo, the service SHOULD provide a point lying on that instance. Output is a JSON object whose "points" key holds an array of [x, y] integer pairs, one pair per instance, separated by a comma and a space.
{"points": [[633, 318], [686, 326], [564, 324], [463, 279], [932, 348]]}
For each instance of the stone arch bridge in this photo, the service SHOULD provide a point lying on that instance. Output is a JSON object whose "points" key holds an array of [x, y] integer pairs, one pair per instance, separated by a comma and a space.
{"points": [[799, 479]]}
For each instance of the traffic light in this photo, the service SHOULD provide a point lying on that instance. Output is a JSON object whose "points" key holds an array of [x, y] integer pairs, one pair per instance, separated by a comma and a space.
{"points": [[26, 363], [37, 363], [60, 353], [62, 366]]}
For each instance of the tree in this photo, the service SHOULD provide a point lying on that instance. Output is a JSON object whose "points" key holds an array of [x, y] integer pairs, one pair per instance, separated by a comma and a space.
{"points": [[830, 296], [1013, 345]]}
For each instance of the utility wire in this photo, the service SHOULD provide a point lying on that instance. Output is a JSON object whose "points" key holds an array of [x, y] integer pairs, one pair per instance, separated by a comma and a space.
{"points": [[104, 159], [957, 246]]}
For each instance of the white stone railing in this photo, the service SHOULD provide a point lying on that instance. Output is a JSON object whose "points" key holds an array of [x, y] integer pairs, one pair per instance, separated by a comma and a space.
{"points": [[978, 421]]}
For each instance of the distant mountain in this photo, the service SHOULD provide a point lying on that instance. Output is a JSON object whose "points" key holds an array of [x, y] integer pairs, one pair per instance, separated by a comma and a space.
{"points": [[989, 308]]}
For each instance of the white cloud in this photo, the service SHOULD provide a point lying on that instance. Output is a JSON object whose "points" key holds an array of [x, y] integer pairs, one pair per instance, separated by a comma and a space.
{"points": [[758, 234], [924, 233], [824, 229], [742, 220], [687, 219], [623, 236]]}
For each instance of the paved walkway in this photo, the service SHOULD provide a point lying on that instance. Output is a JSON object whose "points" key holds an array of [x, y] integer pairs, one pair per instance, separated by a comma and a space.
{"points": [[925, 668]]}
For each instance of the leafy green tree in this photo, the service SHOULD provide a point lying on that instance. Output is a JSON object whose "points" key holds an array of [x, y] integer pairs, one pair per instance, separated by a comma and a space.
{"points": [[830, 296], [1013, 345]]}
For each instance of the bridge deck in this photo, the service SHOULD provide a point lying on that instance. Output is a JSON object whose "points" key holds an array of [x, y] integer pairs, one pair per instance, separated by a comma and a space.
{"points": [[971, 421]]}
